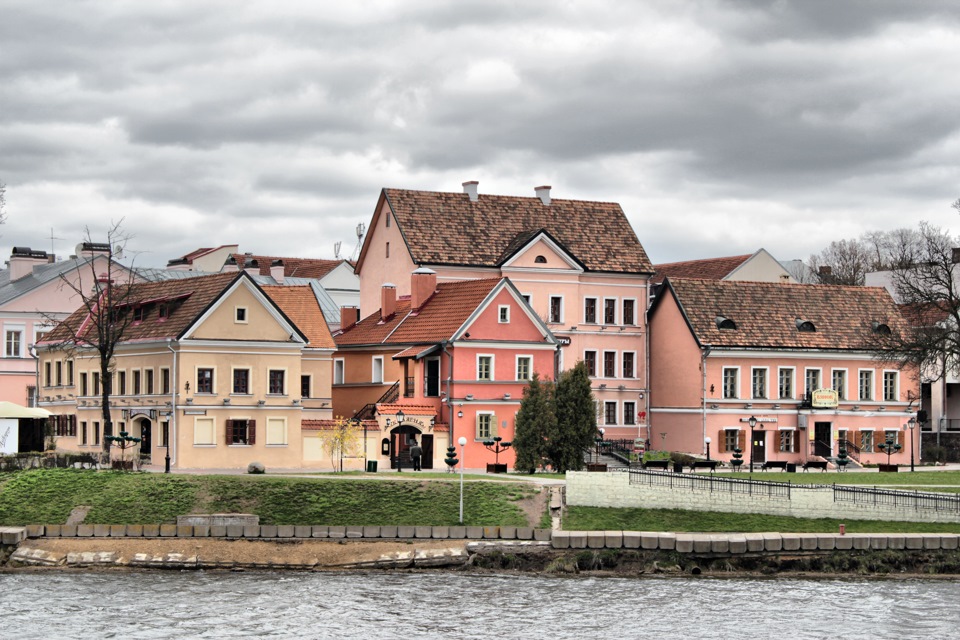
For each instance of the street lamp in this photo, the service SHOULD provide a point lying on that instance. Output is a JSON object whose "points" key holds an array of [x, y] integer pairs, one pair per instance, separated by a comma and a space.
{"points": [[400, 417], [463, 443], [753, 423], [708, 441], [911, 423]]}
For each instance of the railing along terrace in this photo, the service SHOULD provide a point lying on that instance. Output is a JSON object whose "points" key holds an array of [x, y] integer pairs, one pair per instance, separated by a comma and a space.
{"points": [[895, 498], [714, 484]]}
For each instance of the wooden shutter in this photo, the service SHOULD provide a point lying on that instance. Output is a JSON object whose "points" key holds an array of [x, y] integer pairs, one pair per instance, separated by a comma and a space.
{"points": [[742, 440], [900, 439], [722, 441], [251, 432], [229, 432]]}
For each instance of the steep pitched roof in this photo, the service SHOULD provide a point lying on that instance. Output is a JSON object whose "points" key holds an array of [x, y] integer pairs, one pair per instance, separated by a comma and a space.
{"points": [[448, 229], [767, 315], [437, 320], [709, 269], [298, 267], [45, 273], [300, 305]]}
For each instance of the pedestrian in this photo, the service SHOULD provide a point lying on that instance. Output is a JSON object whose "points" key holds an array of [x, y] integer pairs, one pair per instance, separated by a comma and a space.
{"points": [[415, 452]]}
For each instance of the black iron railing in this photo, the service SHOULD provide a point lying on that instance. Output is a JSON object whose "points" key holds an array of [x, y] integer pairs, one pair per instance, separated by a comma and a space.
{"points": [[916, 500], [852, 450], [714, 484]]}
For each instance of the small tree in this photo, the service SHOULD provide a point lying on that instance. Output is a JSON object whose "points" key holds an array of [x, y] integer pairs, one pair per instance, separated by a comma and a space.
{"points": [[342, 440], [576, 420], [535, 421]]}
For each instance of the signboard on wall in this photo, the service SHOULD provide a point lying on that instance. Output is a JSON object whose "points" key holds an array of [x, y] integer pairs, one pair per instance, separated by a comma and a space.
{"points": [[9, 435], [824, 399]]}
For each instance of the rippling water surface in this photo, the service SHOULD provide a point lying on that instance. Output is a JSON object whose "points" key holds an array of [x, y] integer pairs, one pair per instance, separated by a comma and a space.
{"points": [[448, 605]]}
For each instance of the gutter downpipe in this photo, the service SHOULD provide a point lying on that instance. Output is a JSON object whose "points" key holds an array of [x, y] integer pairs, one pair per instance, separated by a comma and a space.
{"points": [[703, 395], [449, 355], [172, 432]]}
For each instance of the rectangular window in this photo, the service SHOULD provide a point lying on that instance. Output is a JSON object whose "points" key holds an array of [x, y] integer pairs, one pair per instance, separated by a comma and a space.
{"points": [[136, 383], [241, 381], [165, 381], [590, 360], [731, 439], [277, 382], [503, 314], [14, 344], [556, 309], [866, 385], [96, 383], [609, 413], [609, 364], [204, 432], [46, 374], [304, 388], [785, 383], [629, 364], [866, 441], [890, 386], [59, 368], [148, 381], [122, 383], [812, 380], [96, 433], [590, 310], [486, 426], [759, 383], [139, 313], [70, 372], [83, 433], [730, 383], [240, 315], [484, 367], [205, 380], [629, 307], [241, 432], [840, 383], [629, 413], [338, 371], [610, 311], [786, 441], [276, 431], [83, 383], [524, 367], [377, 373], [388, 250]]}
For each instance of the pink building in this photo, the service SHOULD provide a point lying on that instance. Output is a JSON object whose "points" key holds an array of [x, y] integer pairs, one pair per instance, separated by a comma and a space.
{"points": [[578, 264], [795, 357], [461, 353]]}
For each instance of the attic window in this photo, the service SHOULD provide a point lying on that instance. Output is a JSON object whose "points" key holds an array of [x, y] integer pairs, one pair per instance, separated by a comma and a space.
{"points": [[540, 260], [805, 326], [138, 313], [725, 323], [882, 329]]}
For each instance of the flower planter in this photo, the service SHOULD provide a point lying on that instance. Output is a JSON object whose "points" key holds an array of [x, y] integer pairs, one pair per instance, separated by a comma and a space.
{"points": [[496, 468]]}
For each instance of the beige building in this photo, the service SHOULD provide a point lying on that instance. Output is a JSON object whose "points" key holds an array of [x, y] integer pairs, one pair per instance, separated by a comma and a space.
{"points": [[212, 372]]}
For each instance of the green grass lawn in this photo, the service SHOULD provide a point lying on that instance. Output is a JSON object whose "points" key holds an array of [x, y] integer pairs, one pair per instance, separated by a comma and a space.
{"points": [[47, 496]]}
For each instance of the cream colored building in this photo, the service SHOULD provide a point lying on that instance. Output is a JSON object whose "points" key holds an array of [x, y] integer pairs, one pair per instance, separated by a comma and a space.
{"points": [[213, 372]]}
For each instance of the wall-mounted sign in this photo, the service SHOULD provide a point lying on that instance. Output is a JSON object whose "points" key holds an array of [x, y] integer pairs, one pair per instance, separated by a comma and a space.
{"points": [[824, 399], [563, 341], [195, 412]]}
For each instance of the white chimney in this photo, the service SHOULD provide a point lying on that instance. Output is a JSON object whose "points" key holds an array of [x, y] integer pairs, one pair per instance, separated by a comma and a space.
{"points": [[543, 193], [276, 271], [470, 188]]}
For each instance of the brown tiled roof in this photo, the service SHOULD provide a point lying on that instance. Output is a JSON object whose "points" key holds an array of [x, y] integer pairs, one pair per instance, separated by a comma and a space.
{"points": [[924, 314], [292, 267], [766, 314], [314, 424], [447, 229], [300, 305], [438, 319], [187, 298], [709, 269]]}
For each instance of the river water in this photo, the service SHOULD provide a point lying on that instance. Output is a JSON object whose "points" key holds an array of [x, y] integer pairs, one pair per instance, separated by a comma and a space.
{"points": [[452, 605]]}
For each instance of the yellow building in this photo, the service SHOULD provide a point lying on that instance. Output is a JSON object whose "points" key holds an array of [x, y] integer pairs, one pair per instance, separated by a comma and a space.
{"points": [[212, 372]]}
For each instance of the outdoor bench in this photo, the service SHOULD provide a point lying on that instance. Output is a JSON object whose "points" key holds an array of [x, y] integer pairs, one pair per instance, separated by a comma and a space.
{"points": [[704, 464], [656, 464], [815, 464], [774, 464]]}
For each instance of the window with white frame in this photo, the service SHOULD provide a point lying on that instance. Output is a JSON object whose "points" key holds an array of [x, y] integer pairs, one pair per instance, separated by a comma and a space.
{"points": [[204, 380], [890, 386], [240, 315], [305, 385], [785, 383], [556, 309], [484, 367], [812, 380], [866, 384], [590, 310], [629, 364], [839, 381], [731, 383], [204, 431], [164, 380], [486, 426], [609, 364], [731, 439], [629, 412], [759, 383], [503, 314], [277, 382], [83, 383], [136, 382], [338, 371], [609, 413], [609, 311], [276, 431], [866, 441], [524, 367], [14, 343], [241, 381], [590, 360], [787, 439], [629, 312], [148, 381], [376, 375]]}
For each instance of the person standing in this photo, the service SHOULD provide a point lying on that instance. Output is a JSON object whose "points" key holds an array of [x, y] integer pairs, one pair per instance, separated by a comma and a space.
{"points": [[415, 452]]}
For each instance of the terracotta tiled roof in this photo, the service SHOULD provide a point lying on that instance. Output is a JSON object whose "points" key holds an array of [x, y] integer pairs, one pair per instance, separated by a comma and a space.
{"points": [[327, 425], [409, 409], [448, 229], [184, 299], [708, 269], [300, 305], [924, 315], [438, 319], [766, 314], [292, 267]]}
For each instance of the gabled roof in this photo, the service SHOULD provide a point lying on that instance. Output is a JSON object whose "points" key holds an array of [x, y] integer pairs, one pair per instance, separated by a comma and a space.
{"points": [[299, 267], [45, 273], [448, 229], [299, 303], [769, 314], [437, 320], [709, 268]]}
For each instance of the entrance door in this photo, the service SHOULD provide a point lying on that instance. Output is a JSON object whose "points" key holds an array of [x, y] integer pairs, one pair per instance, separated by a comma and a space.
{"points": [[821, 444], [145, 440], [426, 443], [759, 446], [400, 440]]}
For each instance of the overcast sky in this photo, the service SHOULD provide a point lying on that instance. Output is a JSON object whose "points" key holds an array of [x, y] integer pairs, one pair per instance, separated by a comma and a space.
{"points": [[719, 126]]}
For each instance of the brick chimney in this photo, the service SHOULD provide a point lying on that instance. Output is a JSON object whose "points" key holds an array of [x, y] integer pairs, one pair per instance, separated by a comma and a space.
{"points": [[23, 260], [349, 316], [276, 271], [230, 264], [470, 188], [423, 284], [388, 301], [543, 193]]}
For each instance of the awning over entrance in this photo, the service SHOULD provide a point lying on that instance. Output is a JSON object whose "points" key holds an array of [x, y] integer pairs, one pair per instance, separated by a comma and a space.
{"points": [[13, 410], [417, 352]]}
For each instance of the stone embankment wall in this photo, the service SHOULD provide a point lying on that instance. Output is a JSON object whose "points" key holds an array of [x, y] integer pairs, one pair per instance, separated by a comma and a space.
{"points": [[616, 490]]}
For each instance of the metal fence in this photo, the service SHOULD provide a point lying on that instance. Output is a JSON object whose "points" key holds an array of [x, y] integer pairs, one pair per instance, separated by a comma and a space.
{"points": [[714, 484], [899, 499]]}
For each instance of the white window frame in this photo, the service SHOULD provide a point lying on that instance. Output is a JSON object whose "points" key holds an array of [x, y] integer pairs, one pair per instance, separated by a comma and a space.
{"points": [[339, 371], [623, 302], [503, 314], [844, 393], [493, 361], [793, 383], [550, 318], [631, 414], [806, 372], [873, 384], [376, 370], [596, 310], [213, 380], [596, 364], [736, 383], [616, 413], [766, 383], [286, 382], [896, 385], [20, 332], [529, 359], [633, 372], [492, 426], [616, 361], [603, 312], [236, 315], [233, 371]]}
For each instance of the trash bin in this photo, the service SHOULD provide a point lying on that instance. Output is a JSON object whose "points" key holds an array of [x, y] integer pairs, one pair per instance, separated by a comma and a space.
{"points": [[678, 467], [791, 467], [371, 466]]}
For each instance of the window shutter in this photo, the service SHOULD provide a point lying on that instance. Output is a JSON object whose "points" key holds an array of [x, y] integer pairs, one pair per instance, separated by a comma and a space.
{"points": [[900, 440], [742, 440], [229, 432], [722, 441], [252, 431], [795, 448]]}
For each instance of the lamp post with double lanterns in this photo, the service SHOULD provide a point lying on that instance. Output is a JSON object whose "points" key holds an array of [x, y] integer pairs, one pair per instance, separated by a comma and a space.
{"points": [[400, 416]]}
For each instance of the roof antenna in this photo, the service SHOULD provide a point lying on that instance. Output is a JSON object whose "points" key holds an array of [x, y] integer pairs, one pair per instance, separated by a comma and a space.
{"points": [[336, 249], [360, 230]]}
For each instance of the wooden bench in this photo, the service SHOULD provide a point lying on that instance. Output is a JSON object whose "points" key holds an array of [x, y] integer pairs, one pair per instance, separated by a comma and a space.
{"points": [[704, 464], [656, 464], [774, 464], [815, 464]]}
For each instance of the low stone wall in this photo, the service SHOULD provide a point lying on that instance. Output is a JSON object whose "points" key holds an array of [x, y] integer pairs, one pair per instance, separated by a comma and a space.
{"points": [[615, 490]]}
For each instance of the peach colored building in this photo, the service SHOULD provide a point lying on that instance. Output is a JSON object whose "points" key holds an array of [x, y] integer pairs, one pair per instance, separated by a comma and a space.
{"points": [[578, 264], [213, 372], [796, 357], [460, 353]]}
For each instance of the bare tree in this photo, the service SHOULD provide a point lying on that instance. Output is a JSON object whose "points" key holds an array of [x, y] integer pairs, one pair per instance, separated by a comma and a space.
{"points": [[842, 262]]}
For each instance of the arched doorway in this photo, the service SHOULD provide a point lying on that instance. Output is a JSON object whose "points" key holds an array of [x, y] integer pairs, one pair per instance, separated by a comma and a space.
{"points": [[401, 438], [146, 441]]}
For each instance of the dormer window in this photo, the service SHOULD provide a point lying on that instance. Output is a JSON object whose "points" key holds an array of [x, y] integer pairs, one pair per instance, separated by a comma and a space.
{"points": [[138, 313], [880, 328], [540, 260], [725, 323], [805, 326]]}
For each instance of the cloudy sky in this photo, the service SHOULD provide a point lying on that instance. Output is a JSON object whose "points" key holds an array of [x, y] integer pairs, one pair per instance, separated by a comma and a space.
{"points": [[719, 126]]}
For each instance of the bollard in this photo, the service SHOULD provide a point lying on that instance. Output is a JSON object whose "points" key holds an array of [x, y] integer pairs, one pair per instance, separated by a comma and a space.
{"points": [[843, 529]]}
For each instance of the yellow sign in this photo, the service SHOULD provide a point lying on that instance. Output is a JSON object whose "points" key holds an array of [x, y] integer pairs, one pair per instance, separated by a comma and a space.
{"points": [[825, 399]]}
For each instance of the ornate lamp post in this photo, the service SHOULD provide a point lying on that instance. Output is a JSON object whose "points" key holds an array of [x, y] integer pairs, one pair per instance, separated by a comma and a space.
{"points": [[463, 443], [400, 416], [708, 441], [753, 423], [911, 423]]}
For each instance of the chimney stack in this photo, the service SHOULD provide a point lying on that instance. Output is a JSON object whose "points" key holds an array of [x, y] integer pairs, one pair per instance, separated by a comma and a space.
{"points": [[349, 316], [543, 193], [23, 260], [276, 271], [470, 188], [956, 255], [388, 301], [423, 284]]}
